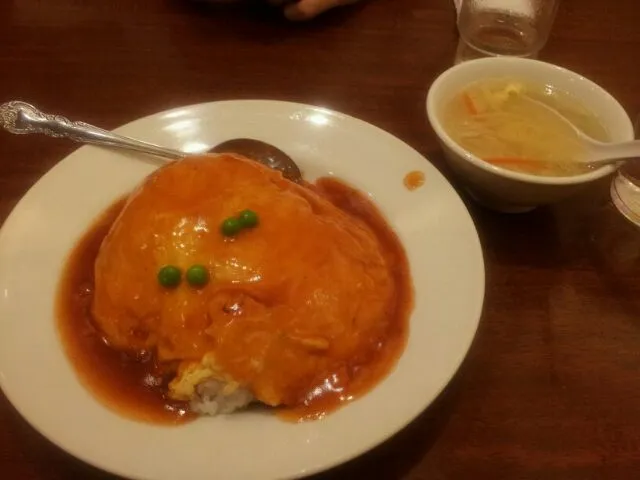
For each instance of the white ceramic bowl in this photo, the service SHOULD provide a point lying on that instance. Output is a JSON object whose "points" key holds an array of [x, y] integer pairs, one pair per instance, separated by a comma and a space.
{"points": [[502, 189]]}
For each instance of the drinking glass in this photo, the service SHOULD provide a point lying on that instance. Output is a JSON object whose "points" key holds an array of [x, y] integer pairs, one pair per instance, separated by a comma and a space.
{"points": [[625, 188], [517, 28]]}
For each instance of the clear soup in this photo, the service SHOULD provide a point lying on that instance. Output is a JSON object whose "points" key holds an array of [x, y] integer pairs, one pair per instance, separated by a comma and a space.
{"points": [[500, 121]]}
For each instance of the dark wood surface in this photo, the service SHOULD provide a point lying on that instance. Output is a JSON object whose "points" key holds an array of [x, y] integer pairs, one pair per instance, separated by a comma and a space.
{"points": [[551, 387]]}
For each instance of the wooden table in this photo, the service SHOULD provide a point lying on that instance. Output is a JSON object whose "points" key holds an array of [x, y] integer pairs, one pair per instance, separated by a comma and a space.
{"points": [[551, 387]]}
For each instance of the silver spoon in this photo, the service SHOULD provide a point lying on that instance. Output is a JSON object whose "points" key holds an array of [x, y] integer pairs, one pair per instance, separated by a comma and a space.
{"points": [[264, 152], [22, 118], [594, 152]]}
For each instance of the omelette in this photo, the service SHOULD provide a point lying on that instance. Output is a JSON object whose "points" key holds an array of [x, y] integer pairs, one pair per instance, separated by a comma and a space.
{"points": [[285, 311]]}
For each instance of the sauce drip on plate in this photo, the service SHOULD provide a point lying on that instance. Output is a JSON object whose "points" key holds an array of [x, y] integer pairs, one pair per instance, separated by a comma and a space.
{"points": [[413, 180]]}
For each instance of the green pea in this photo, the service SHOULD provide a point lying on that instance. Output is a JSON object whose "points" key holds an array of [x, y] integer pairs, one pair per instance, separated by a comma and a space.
{"points": [[169, 276], [230, 227], [197, 275], [248, 218]]}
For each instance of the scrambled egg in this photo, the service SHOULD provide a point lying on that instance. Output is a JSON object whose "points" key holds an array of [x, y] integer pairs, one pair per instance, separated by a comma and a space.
{"points": [[191, 374], [492, 98]]}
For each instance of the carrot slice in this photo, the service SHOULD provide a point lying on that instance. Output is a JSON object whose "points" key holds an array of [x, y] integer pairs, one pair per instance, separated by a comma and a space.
{"points": [[468, 104]]}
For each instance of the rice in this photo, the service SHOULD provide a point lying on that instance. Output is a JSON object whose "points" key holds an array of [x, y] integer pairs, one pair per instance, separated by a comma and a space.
{"points": [[216, 397]]}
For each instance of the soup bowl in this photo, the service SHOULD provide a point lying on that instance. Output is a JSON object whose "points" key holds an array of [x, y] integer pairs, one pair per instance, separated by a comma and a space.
{"points": [[506, 190]]}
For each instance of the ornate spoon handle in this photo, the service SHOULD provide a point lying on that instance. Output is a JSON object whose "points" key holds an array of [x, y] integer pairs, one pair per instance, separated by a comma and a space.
{"points": [[21, 118]]}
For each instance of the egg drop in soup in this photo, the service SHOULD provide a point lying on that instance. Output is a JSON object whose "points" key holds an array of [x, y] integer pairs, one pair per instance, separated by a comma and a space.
{"points": [[501, 121], [218, 284]]}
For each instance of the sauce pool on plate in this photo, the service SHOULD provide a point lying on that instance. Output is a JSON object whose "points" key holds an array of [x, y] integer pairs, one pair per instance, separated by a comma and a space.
{"points": [[131, 383], [134, 384]]}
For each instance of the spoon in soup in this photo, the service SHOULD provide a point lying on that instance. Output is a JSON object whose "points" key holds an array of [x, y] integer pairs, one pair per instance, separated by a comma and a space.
{"points": [[594, 152], [22, 118]]}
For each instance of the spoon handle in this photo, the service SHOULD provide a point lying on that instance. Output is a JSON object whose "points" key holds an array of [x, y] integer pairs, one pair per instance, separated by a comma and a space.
{"points": [[22, 118], [608, 152]]}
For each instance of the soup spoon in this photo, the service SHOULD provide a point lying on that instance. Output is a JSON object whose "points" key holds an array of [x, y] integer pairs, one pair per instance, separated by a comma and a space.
{"points": [[595, 152], [22, 118]]}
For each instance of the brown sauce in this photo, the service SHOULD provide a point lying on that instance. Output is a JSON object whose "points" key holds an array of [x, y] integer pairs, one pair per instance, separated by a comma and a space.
{"points": [[134, 385], [129, 382], [359, 378], [413, 180]]}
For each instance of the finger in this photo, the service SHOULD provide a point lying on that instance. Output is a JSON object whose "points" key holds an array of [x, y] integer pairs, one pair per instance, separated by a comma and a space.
{"points": [[306, 9]]}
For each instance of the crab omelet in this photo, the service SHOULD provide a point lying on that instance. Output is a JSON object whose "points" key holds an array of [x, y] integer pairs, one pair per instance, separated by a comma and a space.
{"points": [[293, 308]]}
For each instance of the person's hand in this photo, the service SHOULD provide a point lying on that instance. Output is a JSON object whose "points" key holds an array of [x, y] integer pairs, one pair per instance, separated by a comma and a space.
{"points": [[306, 9]]}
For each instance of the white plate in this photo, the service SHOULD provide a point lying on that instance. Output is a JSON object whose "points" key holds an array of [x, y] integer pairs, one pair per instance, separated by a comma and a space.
{"points": [[432, 222]]}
